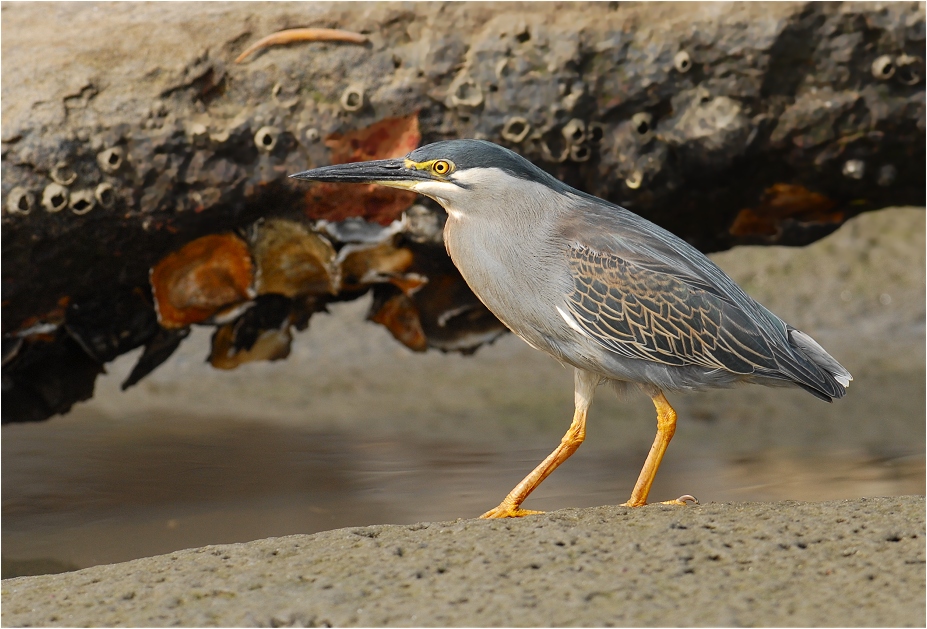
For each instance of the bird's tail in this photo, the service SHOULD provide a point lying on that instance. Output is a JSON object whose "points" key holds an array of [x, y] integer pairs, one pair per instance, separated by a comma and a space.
{"points": [[819, 356]]}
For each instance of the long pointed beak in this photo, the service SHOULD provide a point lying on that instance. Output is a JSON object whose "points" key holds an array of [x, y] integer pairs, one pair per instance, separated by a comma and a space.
{"points": [[387, 172]]}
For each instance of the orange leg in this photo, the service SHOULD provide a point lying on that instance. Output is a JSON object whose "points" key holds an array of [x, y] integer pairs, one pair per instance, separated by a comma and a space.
{"points": [[666, 428], [585, 384]]}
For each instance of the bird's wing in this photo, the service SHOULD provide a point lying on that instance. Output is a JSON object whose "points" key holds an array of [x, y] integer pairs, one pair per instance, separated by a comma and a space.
{"points": [[661, 315], [642, 292], [645, 293]]}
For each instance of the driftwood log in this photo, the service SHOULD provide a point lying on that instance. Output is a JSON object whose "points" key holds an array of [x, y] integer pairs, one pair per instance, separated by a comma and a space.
{"points": [[135, 150]]}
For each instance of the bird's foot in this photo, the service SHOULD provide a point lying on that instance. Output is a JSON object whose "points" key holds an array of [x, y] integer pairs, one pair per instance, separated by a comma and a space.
{"points": [[680, 501], [508, 511]]}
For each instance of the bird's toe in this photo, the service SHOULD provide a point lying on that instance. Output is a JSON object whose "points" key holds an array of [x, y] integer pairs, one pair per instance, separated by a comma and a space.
{"points": [[682, 500], [508, 511]]}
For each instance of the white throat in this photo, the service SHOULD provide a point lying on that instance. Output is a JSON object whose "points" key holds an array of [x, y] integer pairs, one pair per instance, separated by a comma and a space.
{"points": [[490, 194]]}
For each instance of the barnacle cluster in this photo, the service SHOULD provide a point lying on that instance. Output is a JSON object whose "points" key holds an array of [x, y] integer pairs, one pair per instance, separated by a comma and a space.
{"points": [[61, 192]]}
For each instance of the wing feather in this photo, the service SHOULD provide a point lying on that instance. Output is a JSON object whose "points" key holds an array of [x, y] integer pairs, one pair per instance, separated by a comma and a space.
{"points": [[641, 313], [645, 289]]}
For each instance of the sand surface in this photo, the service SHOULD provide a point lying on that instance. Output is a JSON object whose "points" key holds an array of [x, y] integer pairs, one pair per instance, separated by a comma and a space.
{"points": [[845, 563]]}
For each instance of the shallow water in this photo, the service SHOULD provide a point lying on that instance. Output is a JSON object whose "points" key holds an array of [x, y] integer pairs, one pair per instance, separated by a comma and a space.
{"points": [[354, 430], [114, 492]]}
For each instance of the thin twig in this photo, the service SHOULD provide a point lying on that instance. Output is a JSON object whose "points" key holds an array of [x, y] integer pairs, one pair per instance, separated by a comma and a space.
{"points": [[303, 34]]}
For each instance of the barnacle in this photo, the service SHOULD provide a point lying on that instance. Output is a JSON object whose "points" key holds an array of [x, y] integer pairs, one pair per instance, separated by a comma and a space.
{"points": [[63, 174], [642, 122], [580, 153], [516, 129], [574, 132], [883, 68], [854, 169], [910, 69], [54, 197], [110, 160], [465, 92], [19, 201], [104, 195], [286, 95], [635, 180], [352, 99], [82, 201], [548, 153], [682, 62], [266, 138]]}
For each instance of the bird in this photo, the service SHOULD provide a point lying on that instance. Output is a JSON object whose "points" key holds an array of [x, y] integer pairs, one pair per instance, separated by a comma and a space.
{"points": [[614, 296]]}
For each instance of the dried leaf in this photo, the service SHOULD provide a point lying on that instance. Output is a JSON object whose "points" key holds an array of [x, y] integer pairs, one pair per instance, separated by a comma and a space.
{"points": [[784, 201], [399, 315], [302, 34], [362, 265], [391, 137], [261, 333], [292, 260], [199, 279], [270, 345]]}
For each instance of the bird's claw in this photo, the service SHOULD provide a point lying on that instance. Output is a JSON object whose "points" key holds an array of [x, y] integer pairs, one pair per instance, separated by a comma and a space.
{"points": [[508, 511], [680, 501]]}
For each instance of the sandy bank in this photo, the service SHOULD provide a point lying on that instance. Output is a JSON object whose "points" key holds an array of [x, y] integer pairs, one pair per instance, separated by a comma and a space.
{"points": [[850, 563]]}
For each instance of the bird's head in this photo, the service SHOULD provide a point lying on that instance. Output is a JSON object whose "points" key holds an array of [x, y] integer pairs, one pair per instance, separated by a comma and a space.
{"points": [[461, 175]]}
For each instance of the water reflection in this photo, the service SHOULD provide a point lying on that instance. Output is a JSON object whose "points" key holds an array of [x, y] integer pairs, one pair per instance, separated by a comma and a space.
{"points": [[163, 483], [353, 430]]}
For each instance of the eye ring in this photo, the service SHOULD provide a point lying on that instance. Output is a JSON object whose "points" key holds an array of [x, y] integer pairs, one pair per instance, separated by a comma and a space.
{"points": [[441, 167]]}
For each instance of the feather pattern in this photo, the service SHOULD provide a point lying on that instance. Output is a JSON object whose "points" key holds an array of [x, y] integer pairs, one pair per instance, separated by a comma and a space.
{"points": [[642, 293], [639, 313]]}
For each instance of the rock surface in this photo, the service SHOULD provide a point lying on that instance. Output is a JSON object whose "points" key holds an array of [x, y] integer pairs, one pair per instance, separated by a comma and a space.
{"points": [[847, 563]]}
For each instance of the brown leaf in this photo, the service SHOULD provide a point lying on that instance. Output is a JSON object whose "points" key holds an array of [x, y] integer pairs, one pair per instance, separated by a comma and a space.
{"points": [[749, 223], [367, 264], [270, 345], [391, 137], [400, 316], [292, 260], [784, 201], [196, 281], [338, 201], [302, 34]]}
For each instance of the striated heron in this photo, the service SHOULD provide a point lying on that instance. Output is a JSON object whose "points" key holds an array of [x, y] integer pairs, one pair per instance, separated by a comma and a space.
{"points": [[597, 287]]}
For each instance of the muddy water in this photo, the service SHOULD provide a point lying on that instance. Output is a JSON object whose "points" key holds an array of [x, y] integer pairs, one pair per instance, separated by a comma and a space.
{"points": [[353, 429]]}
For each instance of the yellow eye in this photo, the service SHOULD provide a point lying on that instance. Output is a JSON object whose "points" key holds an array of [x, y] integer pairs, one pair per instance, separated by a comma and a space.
{"points": [[441, 167]]}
